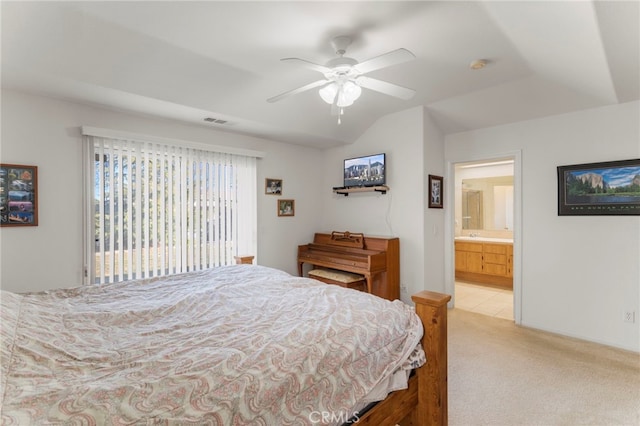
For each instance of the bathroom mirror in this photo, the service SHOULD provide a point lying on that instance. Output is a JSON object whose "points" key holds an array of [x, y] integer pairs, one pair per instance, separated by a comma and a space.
{"points": [[487, 203]]}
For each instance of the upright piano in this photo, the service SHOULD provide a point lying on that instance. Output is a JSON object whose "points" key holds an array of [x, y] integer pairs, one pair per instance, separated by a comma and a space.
{"points": [[376, 258]]}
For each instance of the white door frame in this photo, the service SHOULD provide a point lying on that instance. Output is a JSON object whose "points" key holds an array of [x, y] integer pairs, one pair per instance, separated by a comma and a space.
{"points": [[449, 247]]}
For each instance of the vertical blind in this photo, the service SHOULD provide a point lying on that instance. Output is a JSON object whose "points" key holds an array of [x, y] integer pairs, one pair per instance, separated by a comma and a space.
{"points": [[157, 209]]}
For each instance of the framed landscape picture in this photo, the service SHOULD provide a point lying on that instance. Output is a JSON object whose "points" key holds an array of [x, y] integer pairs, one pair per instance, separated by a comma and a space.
{"points": [[18, 195], [608, 188]]}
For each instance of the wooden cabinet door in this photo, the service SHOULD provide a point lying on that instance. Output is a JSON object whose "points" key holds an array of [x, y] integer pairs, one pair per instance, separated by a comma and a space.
{"points": [[474, 262], [467, 261], [468, 257], [461, 260]]}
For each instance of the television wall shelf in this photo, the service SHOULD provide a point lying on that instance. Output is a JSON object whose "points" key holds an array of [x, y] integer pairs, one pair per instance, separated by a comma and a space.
{"points": [[346, 191]]}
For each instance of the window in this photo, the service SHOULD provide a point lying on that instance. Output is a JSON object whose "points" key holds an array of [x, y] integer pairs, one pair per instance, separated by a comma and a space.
{"points": [[157, 208]]}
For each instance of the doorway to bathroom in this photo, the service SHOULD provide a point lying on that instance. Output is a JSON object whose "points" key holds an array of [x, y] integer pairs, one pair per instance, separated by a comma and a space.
{"points": [[484, 217]]}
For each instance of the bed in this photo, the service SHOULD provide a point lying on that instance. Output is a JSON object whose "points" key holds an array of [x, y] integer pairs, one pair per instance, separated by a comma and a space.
{"points": [[239, 344]]}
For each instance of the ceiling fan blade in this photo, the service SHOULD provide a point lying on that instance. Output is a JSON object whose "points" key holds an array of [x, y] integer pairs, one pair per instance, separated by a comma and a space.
{"points": [[394, 57], [386, 87], [298, 90], [313, 66]]}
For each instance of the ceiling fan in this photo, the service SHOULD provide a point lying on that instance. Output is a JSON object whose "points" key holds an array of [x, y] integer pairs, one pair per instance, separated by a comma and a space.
{"points": [[344, 77]]}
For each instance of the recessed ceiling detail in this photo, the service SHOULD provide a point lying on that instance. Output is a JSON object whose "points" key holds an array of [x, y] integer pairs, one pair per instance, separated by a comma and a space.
{"points": [[190, 60]]}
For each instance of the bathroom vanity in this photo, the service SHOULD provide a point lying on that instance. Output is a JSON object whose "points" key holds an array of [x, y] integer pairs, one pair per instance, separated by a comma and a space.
{"points": [[485, 260]]}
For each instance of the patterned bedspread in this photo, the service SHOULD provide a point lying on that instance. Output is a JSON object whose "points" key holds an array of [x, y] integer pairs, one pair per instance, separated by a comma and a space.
{"points": [[233, 345]]}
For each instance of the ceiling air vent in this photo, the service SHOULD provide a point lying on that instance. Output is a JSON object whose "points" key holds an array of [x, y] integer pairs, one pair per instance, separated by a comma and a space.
{"points": [[215, 120]]}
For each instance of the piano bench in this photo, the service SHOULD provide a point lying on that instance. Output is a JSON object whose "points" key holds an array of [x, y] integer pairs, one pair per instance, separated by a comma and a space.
{"points": [[341, 278]]}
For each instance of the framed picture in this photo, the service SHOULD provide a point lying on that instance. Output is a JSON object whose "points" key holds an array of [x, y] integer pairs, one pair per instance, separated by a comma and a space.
{"points": [[435, 192], [286, 207], [609, 188], [18, 195], [273, 186]]}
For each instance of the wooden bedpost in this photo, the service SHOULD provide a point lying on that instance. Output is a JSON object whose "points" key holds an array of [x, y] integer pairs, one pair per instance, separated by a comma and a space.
{"points": [[432, 405], [424, 402]]}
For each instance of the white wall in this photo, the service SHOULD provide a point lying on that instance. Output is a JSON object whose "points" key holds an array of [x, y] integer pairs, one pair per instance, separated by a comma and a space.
{"points": [[579, 273], [434, 230], [45, 132], [399, 212], [302, 171]]}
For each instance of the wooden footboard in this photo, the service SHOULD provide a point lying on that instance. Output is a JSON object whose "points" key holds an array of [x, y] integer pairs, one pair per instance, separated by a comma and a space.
{"points": [[425, 401]]}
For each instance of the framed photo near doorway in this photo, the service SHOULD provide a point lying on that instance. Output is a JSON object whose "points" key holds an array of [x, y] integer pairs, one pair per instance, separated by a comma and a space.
{"points": [[18, 195], [608, 188], [435, 192]]}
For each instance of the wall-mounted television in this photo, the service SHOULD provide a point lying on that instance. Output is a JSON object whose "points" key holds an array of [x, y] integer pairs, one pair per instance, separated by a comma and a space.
{"points": [[369, 170]]}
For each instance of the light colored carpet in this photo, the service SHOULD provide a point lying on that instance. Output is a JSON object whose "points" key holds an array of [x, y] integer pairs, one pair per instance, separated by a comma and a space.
{"points": [[501, 374]]}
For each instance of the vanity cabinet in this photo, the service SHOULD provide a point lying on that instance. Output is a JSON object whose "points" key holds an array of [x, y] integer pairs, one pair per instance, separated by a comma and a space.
{"points": [[494, 257], [469, 257], [483, 262]]}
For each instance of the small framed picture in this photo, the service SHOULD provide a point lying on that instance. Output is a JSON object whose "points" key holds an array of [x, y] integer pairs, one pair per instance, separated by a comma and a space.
{"points": [[286, 207], [273, 186], [18, 195], [435, 192]]}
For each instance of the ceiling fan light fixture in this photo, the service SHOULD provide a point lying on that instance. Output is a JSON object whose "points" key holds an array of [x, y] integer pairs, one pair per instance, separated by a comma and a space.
{"points": [[347, 93], [328, 93]]}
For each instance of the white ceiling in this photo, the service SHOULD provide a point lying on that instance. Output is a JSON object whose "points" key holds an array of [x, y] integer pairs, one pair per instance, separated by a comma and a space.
{"points": [[191, 60]]}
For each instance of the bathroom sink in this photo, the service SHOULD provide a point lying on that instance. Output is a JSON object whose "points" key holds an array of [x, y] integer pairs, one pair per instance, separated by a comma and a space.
{"points": [[485, 239]]}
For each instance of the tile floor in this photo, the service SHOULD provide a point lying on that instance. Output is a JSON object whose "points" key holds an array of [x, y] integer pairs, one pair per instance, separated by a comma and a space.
{"points": [[485, 300]]}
